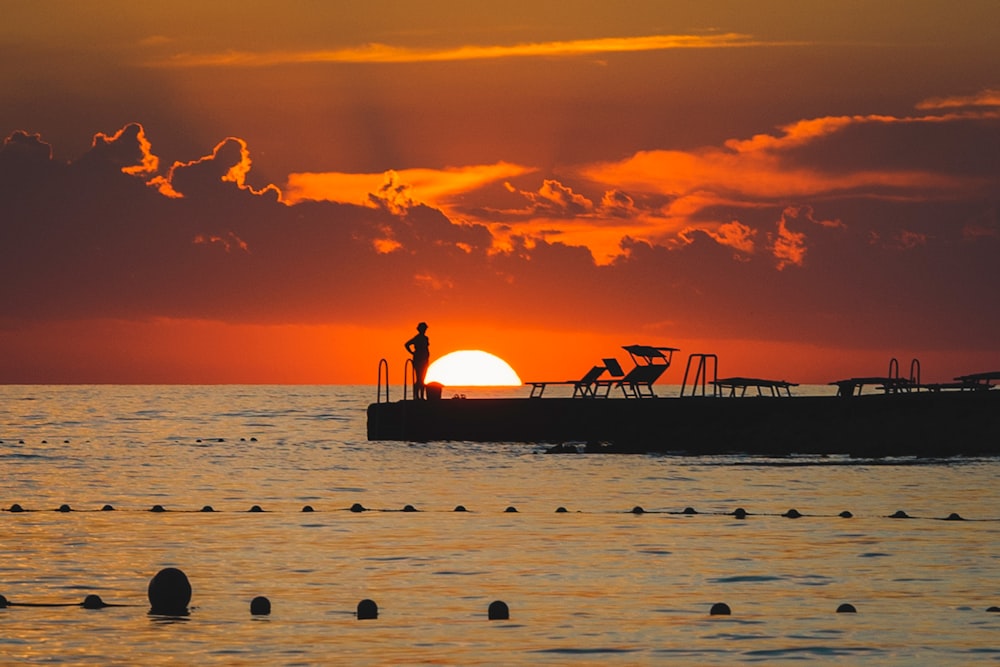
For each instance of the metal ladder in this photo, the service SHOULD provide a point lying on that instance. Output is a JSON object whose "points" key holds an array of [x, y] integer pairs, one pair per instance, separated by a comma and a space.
{"points": [[701, 373]]}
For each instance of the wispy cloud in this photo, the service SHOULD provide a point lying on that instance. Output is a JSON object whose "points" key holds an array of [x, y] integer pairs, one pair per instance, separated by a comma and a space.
{"points": [[984, 98], [430, 186], [385, 53]]}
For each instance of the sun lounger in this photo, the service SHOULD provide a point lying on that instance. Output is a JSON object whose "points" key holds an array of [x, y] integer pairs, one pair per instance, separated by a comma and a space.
{"points": [[584, 387], [737, 386], [650, 363]]}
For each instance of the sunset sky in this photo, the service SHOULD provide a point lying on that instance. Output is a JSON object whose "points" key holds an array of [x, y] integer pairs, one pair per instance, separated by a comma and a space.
{"points": [[278, 192]]}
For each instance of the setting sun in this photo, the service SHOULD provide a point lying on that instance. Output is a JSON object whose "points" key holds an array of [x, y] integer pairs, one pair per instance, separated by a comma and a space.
{"points": [[472, 368]]}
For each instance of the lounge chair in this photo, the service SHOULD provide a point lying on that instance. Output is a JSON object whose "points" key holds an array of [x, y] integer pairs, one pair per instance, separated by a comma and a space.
{"points": [[602, 387], [584, 387], [650, 363]]}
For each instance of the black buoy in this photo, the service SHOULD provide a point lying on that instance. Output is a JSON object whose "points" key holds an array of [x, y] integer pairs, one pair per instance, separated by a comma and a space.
{"points": [[64, 508], [169, 592], [989, 609], [792, 514], [954, 516], [460, 508], [255, 508], [638, 510], [689, 510], [900, 514], [93, 602], [847, 608], [845, 515], [511, 509], [157, 508], [16, 508], [367, 609], [4, 602], [409, 508], [740, 513], [260, 606], [207, 508], [720, 609], [308, 508], [498, 611], [357, 507], [108, 508], [561, 510]]}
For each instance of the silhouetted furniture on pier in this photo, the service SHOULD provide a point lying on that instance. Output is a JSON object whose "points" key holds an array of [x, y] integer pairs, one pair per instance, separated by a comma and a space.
{"points": [[855, 386], [650, 363], [737, 386], [978, 380], [585, 386]]}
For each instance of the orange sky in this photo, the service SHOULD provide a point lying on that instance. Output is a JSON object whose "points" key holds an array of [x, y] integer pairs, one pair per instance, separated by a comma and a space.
{"points": [[193, 193]]}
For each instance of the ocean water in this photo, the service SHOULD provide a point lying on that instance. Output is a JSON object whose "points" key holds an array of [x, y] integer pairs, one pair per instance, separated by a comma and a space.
{"points": [[597, 584]]}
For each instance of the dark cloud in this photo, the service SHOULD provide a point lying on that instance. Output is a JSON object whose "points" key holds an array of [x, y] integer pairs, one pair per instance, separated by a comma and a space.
{"points": [[25, 148]]}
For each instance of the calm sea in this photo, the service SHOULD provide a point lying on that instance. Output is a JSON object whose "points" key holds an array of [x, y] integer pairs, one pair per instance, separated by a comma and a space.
{"points": [[597, 584]]}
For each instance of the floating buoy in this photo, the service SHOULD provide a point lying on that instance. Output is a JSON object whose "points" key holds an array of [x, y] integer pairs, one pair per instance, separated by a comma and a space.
{"points": [[954, 516], [169, 592], [16, 508], [845, 515], [357, 507], [307, 508], [900, 514], [256, 508], [93, 602], [157, 508], [689, 510], [260, 606], [511, 509], [720, 609], [460, 508], [989, 609], [638, 510], [207, 508], [409, 508], [108, 508], [792, 514], [740, 513], [4, 602], [847, 608], [64, 508], [561, 510], [498, 611], [367, 609]]}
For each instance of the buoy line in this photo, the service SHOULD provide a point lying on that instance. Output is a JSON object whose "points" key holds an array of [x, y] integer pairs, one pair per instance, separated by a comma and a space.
{"points": [[358, 508]]}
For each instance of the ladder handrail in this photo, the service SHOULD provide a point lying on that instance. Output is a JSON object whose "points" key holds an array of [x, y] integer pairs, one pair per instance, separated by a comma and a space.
{"points": [[408, 366], [893, 369], [701, 373], [382, 363]]}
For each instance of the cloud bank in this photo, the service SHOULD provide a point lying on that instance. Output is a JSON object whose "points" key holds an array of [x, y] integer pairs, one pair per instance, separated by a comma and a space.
{"points": [[861, 231]]}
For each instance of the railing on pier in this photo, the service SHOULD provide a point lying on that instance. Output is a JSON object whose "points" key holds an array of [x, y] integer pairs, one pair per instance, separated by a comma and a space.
{"points": [[382, 364], [409, 376], [701, 373]]}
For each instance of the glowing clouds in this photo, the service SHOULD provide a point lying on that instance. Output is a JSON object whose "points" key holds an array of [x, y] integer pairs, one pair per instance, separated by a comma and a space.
{"points": [[435, 187], [472, 368], [129, 148]]}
